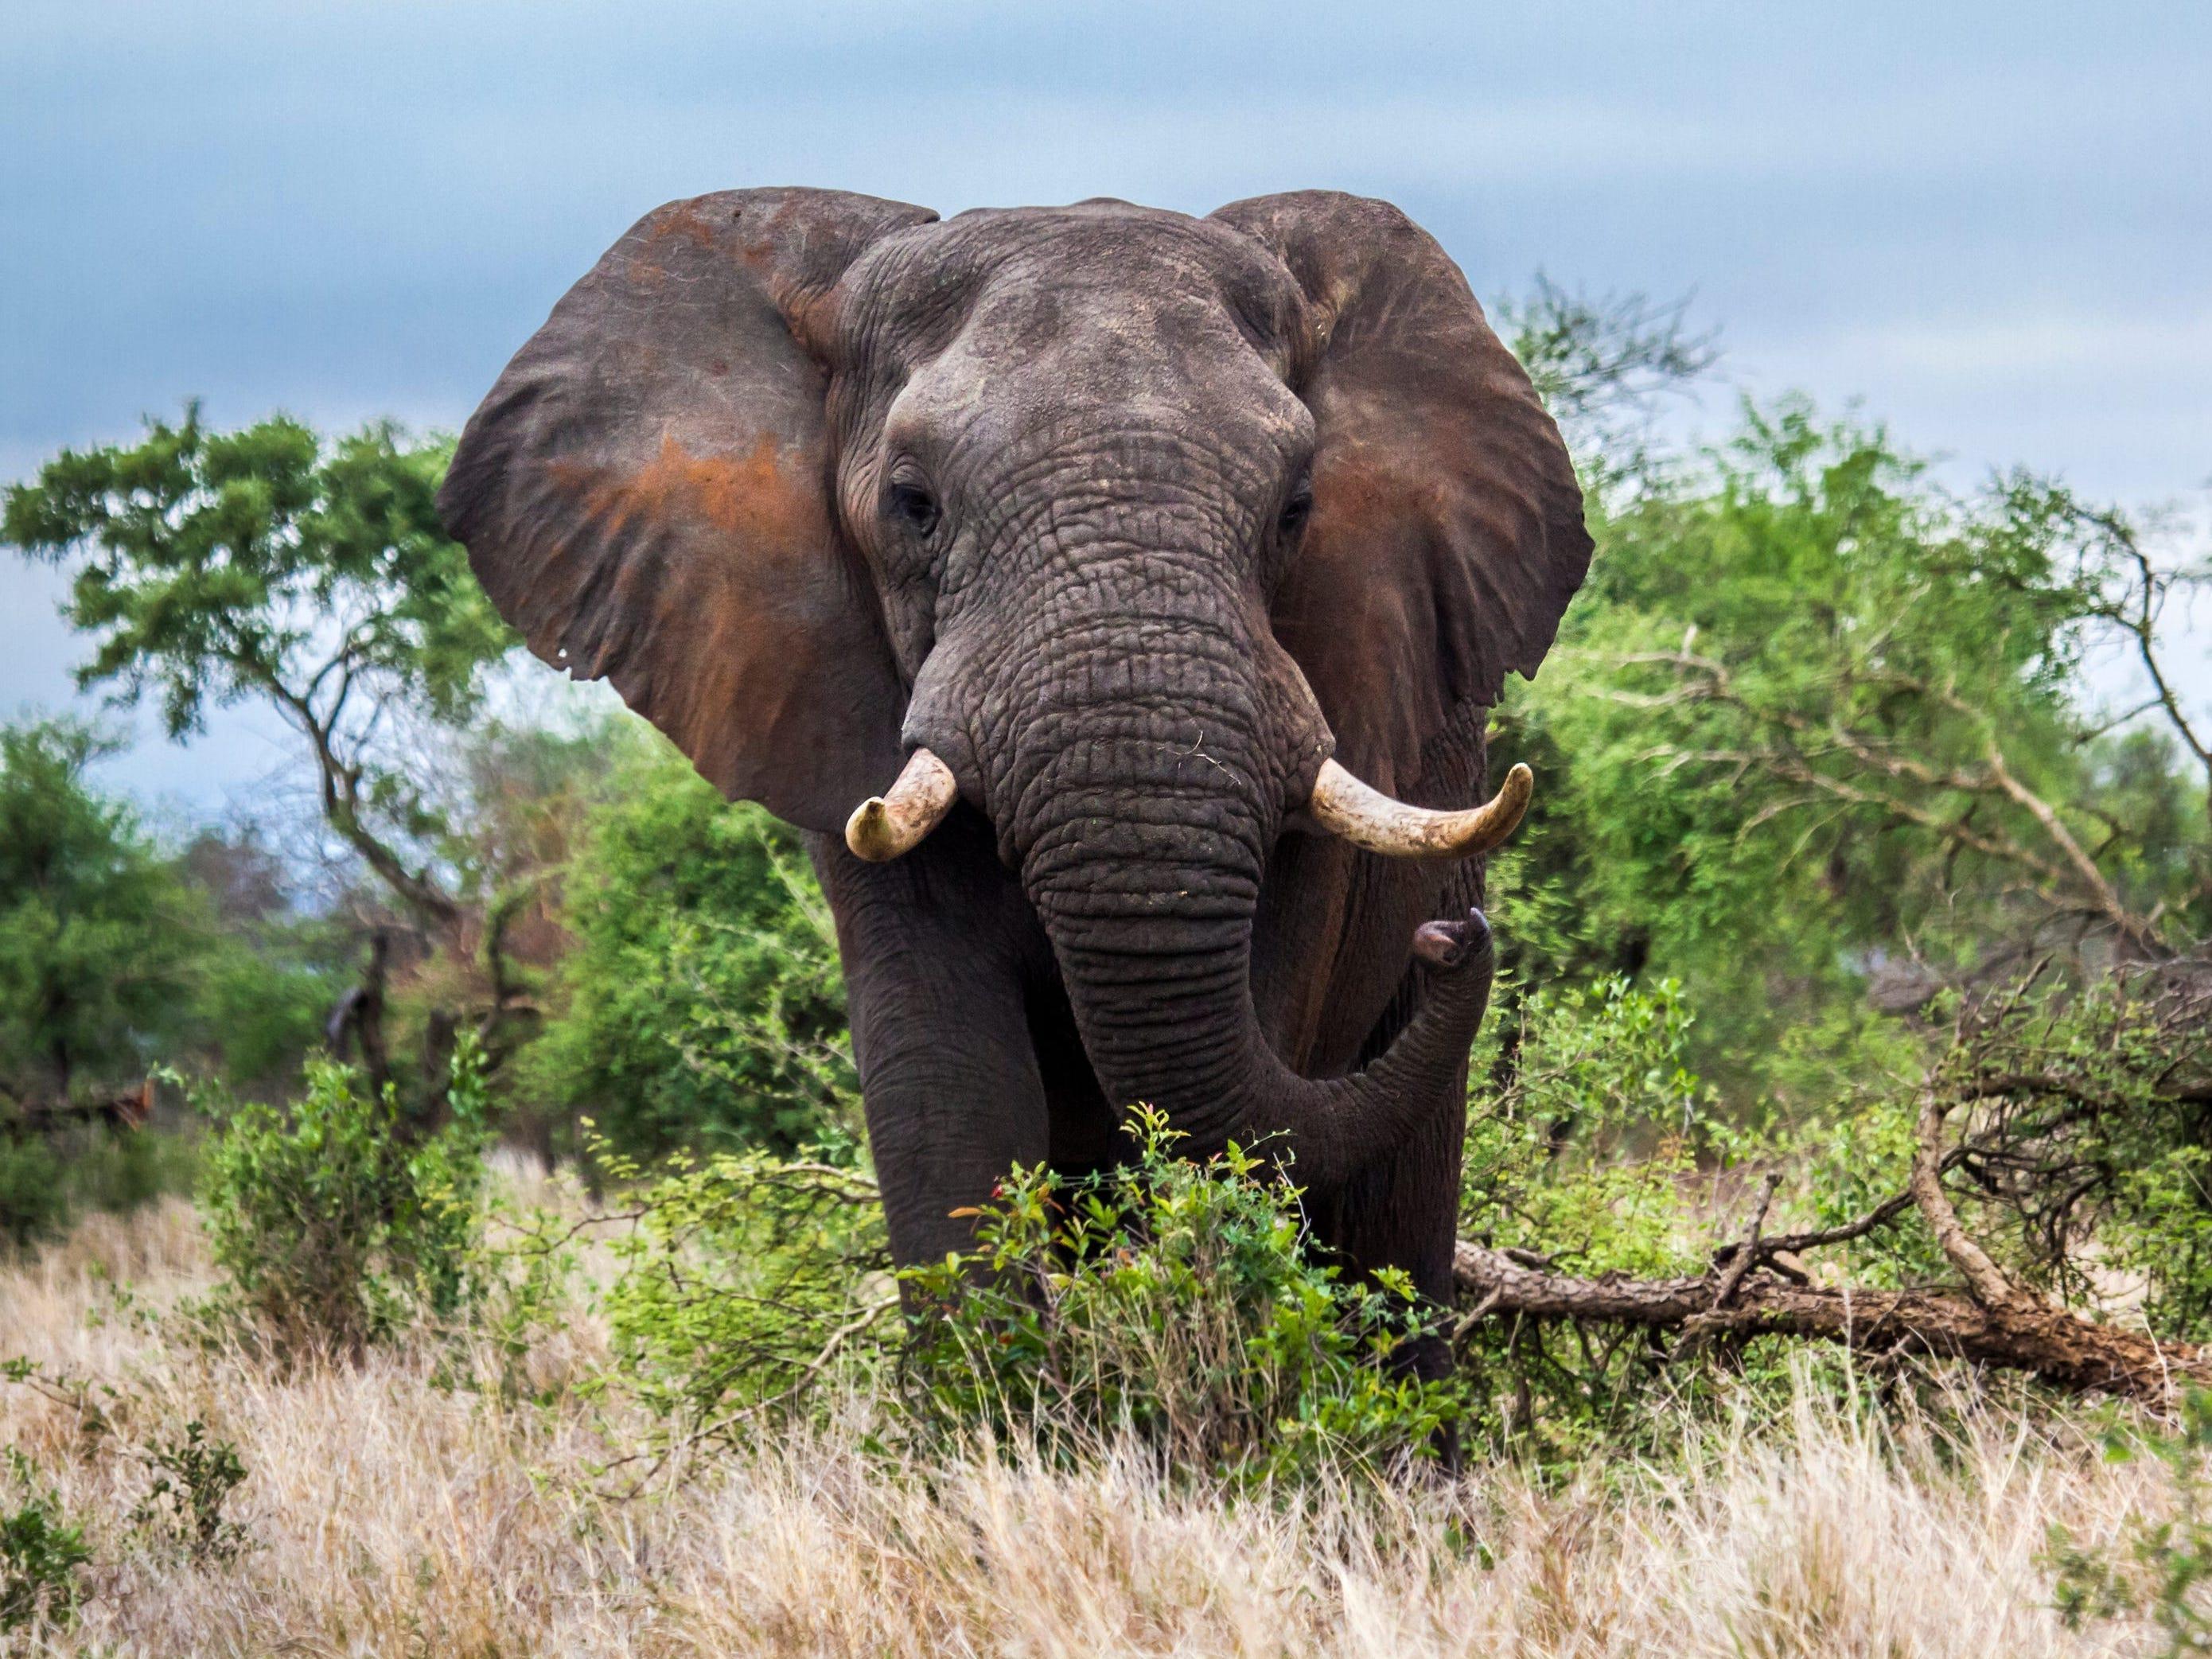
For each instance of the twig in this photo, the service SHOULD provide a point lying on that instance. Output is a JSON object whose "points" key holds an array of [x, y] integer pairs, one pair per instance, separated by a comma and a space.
{"points": [[1746, 1256]]}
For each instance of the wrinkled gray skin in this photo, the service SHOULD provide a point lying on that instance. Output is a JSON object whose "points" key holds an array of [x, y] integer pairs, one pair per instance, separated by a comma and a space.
{"points": [[1132, 518]]}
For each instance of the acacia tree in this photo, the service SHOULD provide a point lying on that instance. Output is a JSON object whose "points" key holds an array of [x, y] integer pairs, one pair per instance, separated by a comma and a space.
{"points": [[1815, 722], [266, 565], [212, 568]]}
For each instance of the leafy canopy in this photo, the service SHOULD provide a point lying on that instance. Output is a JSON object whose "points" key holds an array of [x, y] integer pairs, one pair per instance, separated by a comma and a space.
{"points": [[263, 563]]}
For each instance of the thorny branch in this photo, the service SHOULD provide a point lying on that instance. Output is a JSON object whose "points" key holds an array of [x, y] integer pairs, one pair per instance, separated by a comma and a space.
{"points": [[1877, 775]]}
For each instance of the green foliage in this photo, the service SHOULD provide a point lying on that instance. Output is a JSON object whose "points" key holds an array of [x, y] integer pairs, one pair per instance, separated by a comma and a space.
{"points": [[2092, 1100], [103, 947], [264, 563], [47, 1180], [42, 1553], [274, 969], [262, 1000], [2164, 1567], [33, 1202], [1171, 1305], [702, 1005], [748, 1282], [194, 1480], [210, 561], [1800, 735], [98, 938], [333, 1229], [1176, 1303], [1590, 1129]]}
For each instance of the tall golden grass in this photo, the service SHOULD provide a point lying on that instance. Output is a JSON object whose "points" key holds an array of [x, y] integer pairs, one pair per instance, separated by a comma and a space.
{"points": [[392, 1513]]}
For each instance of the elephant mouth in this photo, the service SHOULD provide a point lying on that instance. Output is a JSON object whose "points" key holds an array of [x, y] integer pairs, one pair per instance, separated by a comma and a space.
{"points": [[889, 825]]}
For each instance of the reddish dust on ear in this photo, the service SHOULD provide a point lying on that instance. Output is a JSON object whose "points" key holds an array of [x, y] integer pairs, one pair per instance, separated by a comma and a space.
{"points": [[687, 220], [753, 498]]}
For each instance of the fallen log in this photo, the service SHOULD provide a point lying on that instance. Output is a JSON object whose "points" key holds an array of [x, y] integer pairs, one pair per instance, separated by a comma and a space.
{"points": [[2050, 1343]]}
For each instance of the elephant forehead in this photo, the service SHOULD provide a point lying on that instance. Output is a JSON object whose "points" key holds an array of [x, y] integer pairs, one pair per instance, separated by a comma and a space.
{"points": [[1024, 275]]}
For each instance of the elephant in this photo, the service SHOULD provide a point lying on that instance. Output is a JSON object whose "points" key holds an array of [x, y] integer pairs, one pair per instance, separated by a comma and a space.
{"points": [[1116, 598]]}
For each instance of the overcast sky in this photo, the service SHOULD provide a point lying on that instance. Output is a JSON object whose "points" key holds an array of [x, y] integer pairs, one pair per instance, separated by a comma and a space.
{"points": [[1991, 222]]}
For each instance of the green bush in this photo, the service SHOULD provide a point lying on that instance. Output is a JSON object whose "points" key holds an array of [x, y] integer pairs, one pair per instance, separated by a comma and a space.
{"points": [[1178, 1303], [47, 1180], [32, 1203], [1583, 1123], [2164, 1568], [332, 1229], [701, 1006], [42, 1551], [193, 1481], [1592, 1145], [1173, 1303], [737, 1279]]}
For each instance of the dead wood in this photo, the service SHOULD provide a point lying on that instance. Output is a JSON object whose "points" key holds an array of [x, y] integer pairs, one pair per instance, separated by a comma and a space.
{"points": [[1994, 1321]]}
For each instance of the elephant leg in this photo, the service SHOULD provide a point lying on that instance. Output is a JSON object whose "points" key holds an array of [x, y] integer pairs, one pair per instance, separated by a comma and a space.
{"points": [[932, 946]]}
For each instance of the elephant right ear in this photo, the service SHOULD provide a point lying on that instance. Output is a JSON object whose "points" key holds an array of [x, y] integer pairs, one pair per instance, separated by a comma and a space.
{"points": [[646, 494]]}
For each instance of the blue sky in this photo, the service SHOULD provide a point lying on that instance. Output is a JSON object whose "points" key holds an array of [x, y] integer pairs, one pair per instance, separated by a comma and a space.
{"points": [[1991, 222]]}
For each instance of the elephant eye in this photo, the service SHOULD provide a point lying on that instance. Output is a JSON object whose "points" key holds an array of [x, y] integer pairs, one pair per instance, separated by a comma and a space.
{"points": [[1297, 509], [914, 506]]}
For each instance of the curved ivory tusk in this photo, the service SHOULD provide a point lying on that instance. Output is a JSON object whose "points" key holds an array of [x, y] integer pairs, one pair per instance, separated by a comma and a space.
{"points": [[883, 827], [1367, 818]]}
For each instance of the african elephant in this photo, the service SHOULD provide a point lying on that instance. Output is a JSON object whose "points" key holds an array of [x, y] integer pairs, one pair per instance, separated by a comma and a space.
{"points": [[1128, 542]]}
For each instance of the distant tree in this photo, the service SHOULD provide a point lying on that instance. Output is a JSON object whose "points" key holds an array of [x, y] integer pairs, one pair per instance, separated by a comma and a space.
{"points": [[267, 564], [212, 568], [99, 941], [275, 967]]}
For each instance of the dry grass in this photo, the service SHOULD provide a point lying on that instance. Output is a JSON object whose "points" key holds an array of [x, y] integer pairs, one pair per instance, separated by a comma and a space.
{"points": [[393, 1516]]}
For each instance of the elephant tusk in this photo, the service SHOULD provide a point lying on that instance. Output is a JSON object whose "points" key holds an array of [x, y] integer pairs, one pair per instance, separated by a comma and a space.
{"points": [[884, 827], [1367, 818]]}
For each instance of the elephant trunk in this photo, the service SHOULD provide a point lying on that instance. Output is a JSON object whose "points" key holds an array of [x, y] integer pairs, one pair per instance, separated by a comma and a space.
{"points": [[1149, 914]]}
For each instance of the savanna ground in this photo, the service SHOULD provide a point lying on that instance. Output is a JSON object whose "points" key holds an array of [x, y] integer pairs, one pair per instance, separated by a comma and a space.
{"points": [[392, 1506]]}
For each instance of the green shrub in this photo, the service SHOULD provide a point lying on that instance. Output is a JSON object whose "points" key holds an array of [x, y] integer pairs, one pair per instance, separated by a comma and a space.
{"points": [[701, 1007], [32, 1203], [42, 1553], [1179, 1303], [1583, 1125], [736, 1280], [2164, 1568], [1592, 1144], [332, 1229], [1176, 1303], [47, 1180], [194, 1479]]}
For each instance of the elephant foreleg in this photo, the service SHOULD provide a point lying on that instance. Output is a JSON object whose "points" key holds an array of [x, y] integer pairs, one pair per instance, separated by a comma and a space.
{"points": [[932, 948]]}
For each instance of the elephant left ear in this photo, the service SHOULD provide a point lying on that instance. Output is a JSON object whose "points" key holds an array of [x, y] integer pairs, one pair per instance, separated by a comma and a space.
{"points": [[1446, 535]]}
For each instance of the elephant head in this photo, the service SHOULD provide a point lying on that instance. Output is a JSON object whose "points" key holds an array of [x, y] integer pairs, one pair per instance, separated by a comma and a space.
{"points": [[1140, 534]]}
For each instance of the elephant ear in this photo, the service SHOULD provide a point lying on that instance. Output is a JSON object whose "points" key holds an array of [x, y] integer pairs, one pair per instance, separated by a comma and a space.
{"points": [[646, 494], [1446, 535]]}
